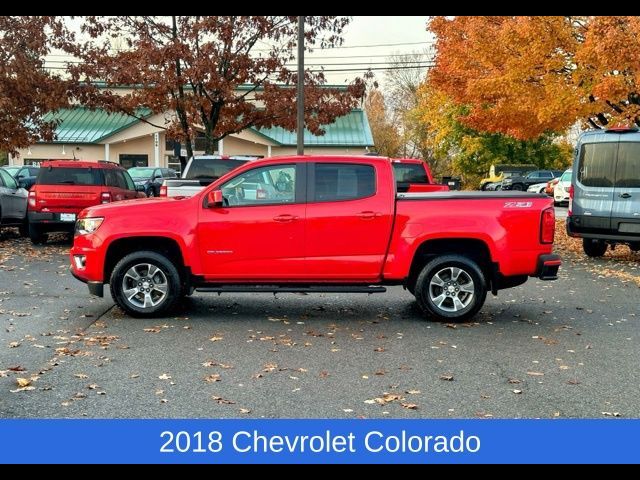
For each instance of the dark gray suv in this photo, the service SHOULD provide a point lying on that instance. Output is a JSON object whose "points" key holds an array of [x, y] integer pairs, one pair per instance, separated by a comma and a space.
{"points": [[604, 209]]}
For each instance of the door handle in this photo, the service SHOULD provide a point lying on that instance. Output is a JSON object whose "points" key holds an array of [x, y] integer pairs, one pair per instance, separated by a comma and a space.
{"points": [[625, 195], [368, 215], [285, 218]]}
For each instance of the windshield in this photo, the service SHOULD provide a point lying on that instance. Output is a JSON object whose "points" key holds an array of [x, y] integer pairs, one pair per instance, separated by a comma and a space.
{"points": [[141, 172], [410, 173], [69, 176], [566, 176], [11, 170]]}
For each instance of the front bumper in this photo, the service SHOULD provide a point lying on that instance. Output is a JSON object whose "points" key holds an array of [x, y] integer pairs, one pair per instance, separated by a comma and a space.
{"points": [[95, 288], [548, 266]]}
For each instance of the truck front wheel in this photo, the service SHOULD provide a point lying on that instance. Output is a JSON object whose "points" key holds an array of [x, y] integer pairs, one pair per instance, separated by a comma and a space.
{"points": [[145, 284], [451, 288]]}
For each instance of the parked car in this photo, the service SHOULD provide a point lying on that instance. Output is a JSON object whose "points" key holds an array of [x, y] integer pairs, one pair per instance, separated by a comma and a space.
{"points": [[13, 203], [497, 173], [149, 179], [336, 225], [604, 205], [200, 172], [561, 190], [522, 183], [493, 186], [537, 188], [26, 176], [65, 187]]}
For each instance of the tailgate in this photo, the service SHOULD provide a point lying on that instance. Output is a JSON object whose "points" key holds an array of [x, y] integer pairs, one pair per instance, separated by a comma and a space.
{"points": [[67, 198], [185, 188]]}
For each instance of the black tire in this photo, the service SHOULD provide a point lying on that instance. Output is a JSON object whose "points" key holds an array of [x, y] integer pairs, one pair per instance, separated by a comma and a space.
{"points": [[518, 187], [151, 192], [594, 248], [24, 228], [470, 276], [483, 187], [135, 305], [37, 236]]}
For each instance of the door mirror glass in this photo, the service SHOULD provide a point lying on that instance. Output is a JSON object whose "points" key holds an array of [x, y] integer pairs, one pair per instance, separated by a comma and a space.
{"points": [[214, 199]]}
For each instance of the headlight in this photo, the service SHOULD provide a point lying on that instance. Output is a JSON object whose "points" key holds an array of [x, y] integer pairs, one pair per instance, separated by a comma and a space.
{"points": [[85, 226]]}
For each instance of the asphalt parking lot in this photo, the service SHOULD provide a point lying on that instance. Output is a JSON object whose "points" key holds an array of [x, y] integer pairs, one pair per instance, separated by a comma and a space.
{"points": [[560, 349]]}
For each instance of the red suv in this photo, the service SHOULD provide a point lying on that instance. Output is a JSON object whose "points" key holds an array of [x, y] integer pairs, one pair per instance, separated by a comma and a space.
{"points": [[66, 187]]}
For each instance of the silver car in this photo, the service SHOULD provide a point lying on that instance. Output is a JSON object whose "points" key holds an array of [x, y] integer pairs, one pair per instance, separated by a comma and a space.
{"points": [[13, 202]]}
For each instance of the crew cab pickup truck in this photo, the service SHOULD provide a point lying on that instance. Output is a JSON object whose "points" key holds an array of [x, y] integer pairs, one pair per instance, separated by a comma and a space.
{"points": [[329, 224], [201, 171]]}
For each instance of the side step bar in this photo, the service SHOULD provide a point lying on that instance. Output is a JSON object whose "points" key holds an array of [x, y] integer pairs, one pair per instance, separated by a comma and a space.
{"points": [[292, 289]]}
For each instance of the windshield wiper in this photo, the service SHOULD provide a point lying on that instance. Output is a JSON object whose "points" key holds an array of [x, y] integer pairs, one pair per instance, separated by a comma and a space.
{"points": [[67, 182]]}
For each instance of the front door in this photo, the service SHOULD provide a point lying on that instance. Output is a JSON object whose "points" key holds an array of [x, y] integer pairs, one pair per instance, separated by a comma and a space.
{"points": [[625, 214], [259, 232]]}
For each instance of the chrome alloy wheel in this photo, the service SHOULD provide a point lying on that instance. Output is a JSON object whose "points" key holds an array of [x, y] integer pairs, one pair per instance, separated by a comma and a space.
{"points": [[451, 289], [145, 286]]}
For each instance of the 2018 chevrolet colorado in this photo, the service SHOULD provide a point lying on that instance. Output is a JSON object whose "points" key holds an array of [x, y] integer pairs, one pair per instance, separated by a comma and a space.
{"points": [[316, 224]]}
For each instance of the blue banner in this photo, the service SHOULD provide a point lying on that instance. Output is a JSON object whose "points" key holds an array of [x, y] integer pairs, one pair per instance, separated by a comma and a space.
{"points": [[319, 441]]}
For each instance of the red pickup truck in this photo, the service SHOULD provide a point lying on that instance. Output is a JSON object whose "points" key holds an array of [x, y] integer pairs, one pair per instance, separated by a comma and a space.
{"points": [[316, 224]]}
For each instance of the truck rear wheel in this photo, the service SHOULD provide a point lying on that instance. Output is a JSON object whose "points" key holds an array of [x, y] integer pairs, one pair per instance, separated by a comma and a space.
{"points": [[451, 288], [594, 248], [145, 284]]}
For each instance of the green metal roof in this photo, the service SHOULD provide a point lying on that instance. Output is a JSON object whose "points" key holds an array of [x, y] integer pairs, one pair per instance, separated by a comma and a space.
{"points": [[83, 125], [351, 130]]}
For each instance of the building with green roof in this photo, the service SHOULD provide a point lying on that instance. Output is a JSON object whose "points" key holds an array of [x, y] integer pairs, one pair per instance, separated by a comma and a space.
{"points": [[94, 134]]}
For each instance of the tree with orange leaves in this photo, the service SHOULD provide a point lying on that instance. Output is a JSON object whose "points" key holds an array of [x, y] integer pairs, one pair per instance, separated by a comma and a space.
{"points": [[526, 75]]}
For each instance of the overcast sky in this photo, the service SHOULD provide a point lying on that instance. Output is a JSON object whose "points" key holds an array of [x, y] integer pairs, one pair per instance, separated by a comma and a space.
{"points": [[368, 40]]}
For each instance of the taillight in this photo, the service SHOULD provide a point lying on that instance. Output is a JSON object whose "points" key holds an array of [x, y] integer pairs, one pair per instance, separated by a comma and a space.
{"points": [[548, 226], [570, 200], [163, 191], [105, 197], [32, 199]]}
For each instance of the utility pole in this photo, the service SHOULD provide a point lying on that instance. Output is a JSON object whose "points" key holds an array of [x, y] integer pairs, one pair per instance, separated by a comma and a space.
{"points": [[300, 96]]}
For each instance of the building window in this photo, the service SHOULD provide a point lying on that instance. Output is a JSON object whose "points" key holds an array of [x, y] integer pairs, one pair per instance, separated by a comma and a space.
{"points": [[129, 160]]}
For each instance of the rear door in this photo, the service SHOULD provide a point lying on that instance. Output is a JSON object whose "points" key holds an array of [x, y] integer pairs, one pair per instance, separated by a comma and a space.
{"points": [[594, 175], [349, 219], [126, 185], [625, 214]]}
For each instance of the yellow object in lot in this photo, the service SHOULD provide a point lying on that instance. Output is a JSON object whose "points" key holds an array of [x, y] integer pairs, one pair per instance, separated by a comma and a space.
{"points": [[497, 173]]}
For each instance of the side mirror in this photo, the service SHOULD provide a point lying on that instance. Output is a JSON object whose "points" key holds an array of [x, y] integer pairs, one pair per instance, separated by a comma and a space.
{"points": [[20, 177], [22, 184], [214, 199], [158, 177]]}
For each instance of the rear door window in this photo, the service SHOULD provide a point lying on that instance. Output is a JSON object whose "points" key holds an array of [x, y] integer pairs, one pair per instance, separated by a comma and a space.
{"points": [[597, 163], [69, 176], [343, 181], [628, 168]]}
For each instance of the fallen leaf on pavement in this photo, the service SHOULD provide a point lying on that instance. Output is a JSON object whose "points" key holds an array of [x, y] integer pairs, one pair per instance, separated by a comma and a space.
{"points": [[216, 338], [81, 375], [93, 386], [379, 349], [214, 377], [517, 392], [409, 406], [446, 378], [16, 369], [223, 401], [514, 381], [535, 374], [324, 374], [165, 376], [23, 382], [14, 344], [370, 402], [413, 392], [152, 330], [245, 410]]}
